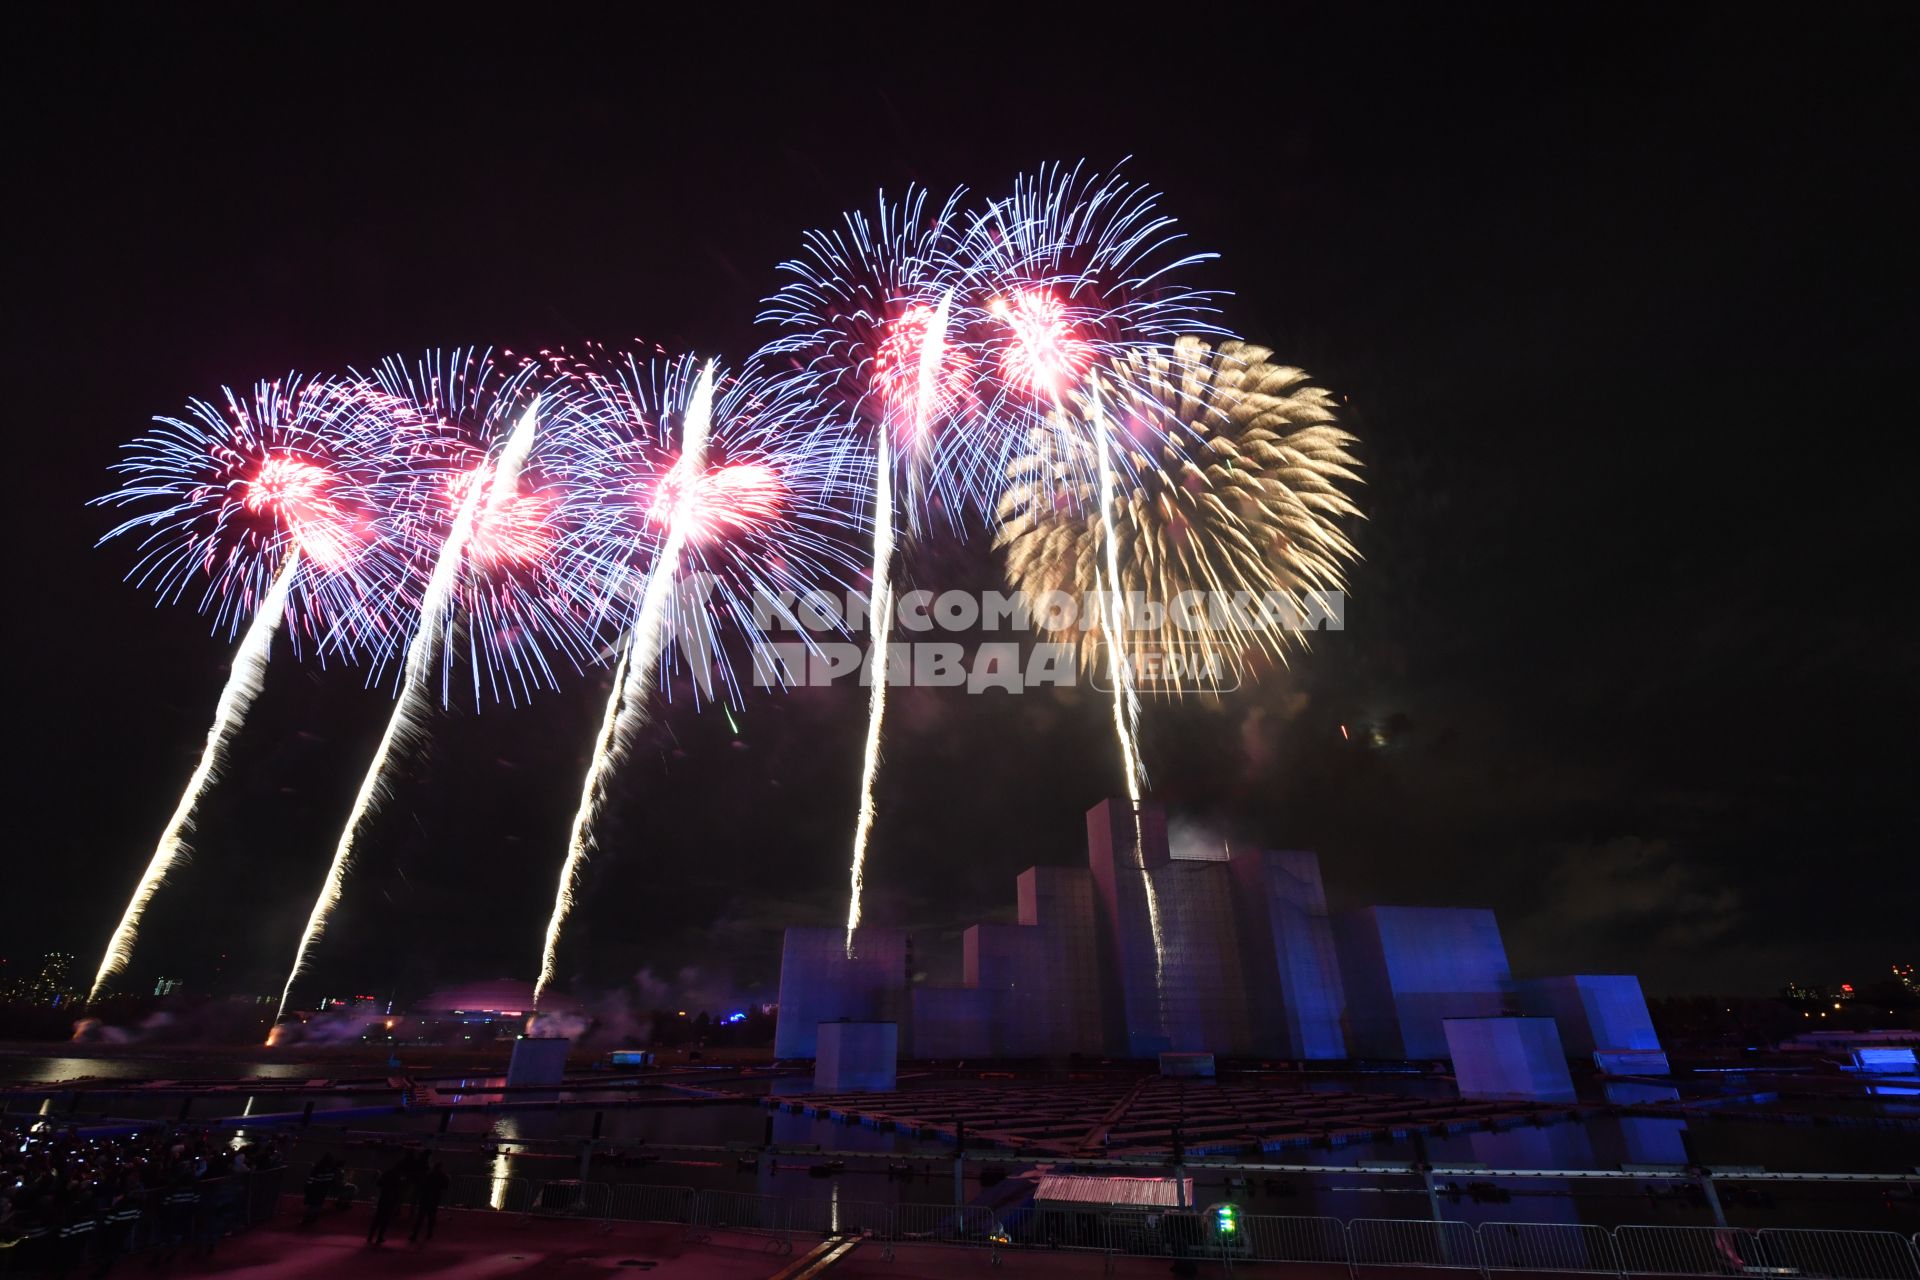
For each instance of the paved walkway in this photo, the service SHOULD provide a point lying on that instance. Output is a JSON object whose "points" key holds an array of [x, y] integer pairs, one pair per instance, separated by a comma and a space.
{"points": [[476, 1245], [482, 1245]]}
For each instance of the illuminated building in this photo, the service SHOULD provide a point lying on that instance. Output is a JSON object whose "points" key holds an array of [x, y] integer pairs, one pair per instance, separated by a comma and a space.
{"points": [[1600, 1016], [1406, 969], [54, 983], [1145, 952], [1292, 968], [1520, 1059], [820, 983]]}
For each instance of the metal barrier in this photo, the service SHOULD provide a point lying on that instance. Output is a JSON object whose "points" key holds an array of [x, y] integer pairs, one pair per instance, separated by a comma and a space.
{"points": [[1687, 1251], [1159, 1233], [1036, 1228], [742, 1211], [572, 1198], [1411, 1242], [839, 1217], [1842, 1255], [942, 1224], [1286, 1239], [639, 1202], [490, 1191], [1547, 1246]]}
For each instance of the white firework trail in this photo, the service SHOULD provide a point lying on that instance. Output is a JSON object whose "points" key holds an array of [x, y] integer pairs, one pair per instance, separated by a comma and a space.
{"points": [[236, 697], [880, 620], [880, 597], [1126, 704], [627, 704], [408, 721]]}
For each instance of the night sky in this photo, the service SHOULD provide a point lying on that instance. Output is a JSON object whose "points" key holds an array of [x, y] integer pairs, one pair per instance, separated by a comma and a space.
{"points": [[1619, 303]]}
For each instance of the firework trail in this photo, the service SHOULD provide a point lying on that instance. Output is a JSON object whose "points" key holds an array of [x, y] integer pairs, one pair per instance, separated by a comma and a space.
{"points": [[627, 702], [264, 501], [880, 600], [242, 687], [1126, 705], [417, 680], [872, 315], [1078, 272], [751, 507]]}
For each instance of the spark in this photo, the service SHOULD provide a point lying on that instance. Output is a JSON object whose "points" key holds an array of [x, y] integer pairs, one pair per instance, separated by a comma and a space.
{"points": [[298, 492], [408, 721], [1045, 354], [1240, 501], [527, 596], [515, 531], [243, 686]]}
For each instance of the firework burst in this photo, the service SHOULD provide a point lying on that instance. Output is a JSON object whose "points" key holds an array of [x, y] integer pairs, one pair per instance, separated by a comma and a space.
{"points": [[1075, 270], [1244, 500], [525, 605], [716, 498], [228, 492], [260, 508]]}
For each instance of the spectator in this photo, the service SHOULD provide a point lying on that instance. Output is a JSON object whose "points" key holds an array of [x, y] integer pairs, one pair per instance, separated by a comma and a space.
{"points": [[66, 1194], [322, 1182], [393, 1187], [432, 1186]]}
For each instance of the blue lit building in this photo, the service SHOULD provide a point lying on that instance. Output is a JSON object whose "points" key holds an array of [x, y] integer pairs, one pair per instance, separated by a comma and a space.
{"points": [[1144, 952]]}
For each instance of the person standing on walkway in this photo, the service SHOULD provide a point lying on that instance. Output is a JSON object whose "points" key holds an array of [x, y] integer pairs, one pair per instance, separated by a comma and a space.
{"points": [[393, 1186], [426, 1199]]}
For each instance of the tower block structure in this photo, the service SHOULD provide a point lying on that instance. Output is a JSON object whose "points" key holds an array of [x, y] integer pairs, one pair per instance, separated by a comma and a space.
{"points": [[1144, 951]]}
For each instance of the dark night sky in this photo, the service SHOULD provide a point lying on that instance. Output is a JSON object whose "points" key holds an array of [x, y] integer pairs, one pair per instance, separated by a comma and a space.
{"points": [[1619, 301]]}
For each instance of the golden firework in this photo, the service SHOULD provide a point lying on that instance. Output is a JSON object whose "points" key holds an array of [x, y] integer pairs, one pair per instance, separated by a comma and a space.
{"points": [[1234, 477]]}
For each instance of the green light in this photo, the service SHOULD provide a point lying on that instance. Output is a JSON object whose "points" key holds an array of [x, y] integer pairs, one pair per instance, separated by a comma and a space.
{"points": [[1224, 1220], [731, 723]]}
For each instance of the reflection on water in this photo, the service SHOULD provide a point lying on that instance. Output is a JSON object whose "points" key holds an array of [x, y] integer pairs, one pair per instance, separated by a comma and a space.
{"points": [[48, 1070], [505, 1128]]}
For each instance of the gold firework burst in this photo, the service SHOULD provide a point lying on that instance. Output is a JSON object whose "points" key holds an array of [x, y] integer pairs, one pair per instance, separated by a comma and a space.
{"points": [[1228, 516]]}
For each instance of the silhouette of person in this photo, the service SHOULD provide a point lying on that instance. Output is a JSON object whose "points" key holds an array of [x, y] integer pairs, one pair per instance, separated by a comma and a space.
{"points": [[393, 1186], [432, 1186]]}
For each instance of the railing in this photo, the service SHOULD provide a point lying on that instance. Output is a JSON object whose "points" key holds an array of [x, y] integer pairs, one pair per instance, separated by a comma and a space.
{"points": [[1578, 1247], [1277, 1239], [1411, 1242], [1687, 1251], [1843, 1255], [1629, 1252], [941, 1224]]}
